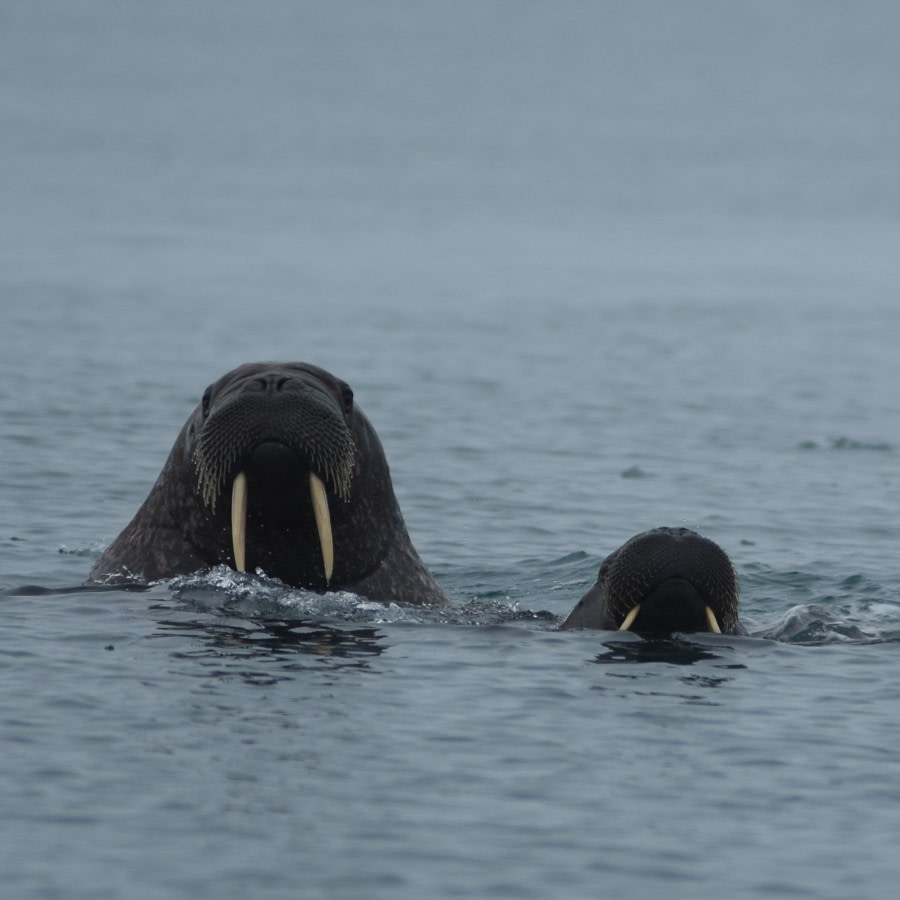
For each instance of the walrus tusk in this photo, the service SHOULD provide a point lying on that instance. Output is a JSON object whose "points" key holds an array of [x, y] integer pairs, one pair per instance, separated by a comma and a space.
{"points": [[629, 619], [711, 621], [323, 523], [239, 520]]}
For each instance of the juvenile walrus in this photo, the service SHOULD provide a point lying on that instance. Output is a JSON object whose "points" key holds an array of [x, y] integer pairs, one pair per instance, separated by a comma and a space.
{"points": [[664, 580]]}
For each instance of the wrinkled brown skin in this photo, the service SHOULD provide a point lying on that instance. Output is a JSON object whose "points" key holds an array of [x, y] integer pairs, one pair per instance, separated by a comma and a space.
{"points": [[175, 533], [673, 573]]}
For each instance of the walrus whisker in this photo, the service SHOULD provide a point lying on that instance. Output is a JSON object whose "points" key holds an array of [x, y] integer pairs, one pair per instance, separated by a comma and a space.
{"points": [[629, 619], [323, 523], [712, 621], [239, 520]]}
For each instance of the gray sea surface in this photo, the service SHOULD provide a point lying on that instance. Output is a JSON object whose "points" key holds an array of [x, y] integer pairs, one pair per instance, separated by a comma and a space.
{"points": [[590, 268]]}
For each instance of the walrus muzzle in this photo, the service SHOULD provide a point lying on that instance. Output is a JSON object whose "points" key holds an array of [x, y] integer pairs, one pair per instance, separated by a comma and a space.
{"points": [[300, 420]]}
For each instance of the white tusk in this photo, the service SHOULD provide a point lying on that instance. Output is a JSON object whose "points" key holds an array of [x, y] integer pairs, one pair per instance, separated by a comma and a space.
{"points": [[711, 621], [323, 523], [629, 619], [239, 521]]}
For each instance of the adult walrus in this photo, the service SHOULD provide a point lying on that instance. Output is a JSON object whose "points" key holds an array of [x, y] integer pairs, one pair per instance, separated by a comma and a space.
{"points": [[664, 580], [276, 469]]}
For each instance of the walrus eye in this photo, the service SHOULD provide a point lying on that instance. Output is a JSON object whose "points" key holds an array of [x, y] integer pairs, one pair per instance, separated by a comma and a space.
{"points": [[207, 397], [347, 398]]}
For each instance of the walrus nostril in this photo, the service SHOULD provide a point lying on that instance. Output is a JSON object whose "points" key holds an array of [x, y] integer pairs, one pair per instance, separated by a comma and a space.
{"points": [[277, 383], [269, 384]]}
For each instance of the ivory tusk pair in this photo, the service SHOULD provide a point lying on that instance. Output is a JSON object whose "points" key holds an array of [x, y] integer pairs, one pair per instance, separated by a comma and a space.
{"points": [[711, 620], [239, 494]]}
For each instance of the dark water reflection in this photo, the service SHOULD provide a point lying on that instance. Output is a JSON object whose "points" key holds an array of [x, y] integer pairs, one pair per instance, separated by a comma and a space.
{"points": [[645, 665], [675, 651], [268, 651]]}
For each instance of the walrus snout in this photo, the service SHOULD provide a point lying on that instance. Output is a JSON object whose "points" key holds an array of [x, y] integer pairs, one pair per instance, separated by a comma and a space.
{"points": [[677, 604], [664, 580], [274, 410]]}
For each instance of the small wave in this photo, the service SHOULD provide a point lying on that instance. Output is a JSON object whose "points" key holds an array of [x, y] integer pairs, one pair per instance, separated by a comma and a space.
{"points": [[90, 552], [226, 591], [636, 472], [257, 596], [848, 443], [837, 622], [818, 605]]}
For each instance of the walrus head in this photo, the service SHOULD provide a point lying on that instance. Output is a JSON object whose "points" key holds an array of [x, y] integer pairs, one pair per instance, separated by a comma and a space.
{"points": [[661, 581], [277, 469], [264, 476], [270, 435]]}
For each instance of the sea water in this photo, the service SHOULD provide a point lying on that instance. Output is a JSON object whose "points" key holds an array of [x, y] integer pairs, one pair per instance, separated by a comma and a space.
{"points": [[590, 269]]}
